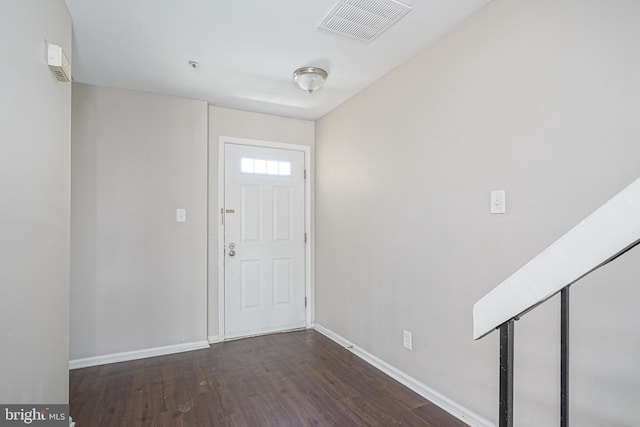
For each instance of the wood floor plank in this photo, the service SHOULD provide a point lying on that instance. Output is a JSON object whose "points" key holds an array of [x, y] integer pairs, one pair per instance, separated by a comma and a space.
{"points": [[331, 411], [292, 379], [375, 411], [437, 416]]}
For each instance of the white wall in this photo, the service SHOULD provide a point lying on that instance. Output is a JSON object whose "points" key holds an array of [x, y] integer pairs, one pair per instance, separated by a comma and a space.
{"points": [[540, 98], [35, 121], [138, 278], [241, 124]]}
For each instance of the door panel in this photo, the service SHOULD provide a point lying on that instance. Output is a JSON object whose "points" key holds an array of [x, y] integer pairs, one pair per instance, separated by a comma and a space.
{"points": [[282, 281], [264, 263], [250, 209], [281, 214], [250, 284]]}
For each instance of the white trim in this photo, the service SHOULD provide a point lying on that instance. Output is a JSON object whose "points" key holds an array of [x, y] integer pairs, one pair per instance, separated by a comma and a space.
{"points": [[222, 141], [261, 332], [137, 354], [213, 339], [219, 215], [423, 390], [262, 143]]}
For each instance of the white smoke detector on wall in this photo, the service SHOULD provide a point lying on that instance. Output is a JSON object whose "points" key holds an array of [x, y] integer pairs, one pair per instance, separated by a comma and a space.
{"points": [[58, 63]]}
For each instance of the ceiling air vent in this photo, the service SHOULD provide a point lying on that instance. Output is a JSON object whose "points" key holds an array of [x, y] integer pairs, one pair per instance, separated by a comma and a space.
{"points": [[363, 19]]}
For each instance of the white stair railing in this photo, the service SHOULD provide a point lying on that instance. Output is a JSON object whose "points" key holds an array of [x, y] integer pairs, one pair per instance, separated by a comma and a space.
{"points": [[603, 236]]}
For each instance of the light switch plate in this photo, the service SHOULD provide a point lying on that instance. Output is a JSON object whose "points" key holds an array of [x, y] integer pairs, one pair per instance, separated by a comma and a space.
{"points": [[498, 202], [407, 340], [181, 215]]}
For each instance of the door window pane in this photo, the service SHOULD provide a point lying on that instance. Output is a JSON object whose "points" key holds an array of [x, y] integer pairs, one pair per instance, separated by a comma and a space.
{"points": [[246, 165], [265, 167], [284, 168], [260, 166], [272, 167]]}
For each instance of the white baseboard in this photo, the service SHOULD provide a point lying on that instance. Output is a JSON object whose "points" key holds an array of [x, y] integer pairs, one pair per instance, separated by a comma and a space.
{"points": [[137, 354], [214, 339], [423, 390]]}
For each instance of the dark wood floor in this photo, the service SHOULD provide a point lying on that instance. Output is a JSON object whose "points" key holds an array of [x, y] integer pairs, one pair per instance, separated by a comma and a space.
{"points": [[292, 379]]}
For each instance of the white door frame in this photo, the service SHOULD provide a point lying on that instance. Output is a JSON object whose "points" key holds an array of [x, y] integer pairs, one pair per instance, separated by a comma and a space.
{"points": [[308, 259]]}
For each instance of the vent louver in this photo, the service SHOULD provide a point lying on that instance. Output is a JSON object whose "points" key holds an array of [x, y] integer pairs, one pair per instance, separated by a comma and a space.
{"points": [[363, 19]]}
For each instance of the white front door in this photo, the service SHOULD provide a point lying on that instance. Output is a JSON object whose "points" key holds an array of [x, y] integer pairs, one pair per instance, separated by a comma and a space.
{"points": [[264, 240]]}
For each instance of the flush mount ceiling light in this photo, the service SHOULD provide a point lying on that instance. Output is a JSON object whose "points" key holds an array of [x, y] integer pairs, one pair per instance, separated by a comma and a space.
{"points": [[310, 78]]}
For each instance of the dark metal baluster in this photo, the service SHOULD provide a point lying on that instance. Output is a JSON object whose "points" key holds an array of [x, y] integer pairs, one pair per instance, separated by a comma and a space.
{"points": [[506, 374], [564, 357]]}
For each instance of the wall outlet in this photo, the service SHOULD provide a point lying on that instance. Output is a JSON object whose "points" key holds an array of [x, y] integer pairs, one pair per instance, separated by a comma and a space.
{"points": [[407, 340]]}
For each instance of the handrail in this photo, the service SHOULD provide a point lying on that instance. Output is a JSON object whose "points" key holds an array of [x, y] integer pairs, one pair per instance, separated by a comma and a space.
{"points": [[604, 235]]}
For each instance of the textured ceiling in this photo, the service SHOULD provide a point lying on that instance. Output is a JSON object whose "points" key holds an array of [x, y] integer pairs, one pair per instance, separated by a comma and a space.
{"points": [[247, 49]]}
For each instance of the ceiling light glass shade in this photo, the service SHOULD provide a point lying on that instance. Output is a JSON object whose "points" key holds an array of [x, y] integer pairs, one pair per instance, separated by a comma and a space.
{"points": [[310, 78]]}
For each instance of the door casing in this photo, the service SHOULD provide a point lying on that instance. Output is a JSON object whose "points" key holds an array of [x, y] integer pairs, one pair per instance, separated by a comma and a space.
{"points": [[308, 257]]}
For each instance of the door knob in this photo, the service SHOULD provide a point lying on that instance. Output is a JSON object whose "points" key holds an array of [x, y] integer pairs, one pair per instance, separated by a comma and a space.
{"points": [[232, 252]]}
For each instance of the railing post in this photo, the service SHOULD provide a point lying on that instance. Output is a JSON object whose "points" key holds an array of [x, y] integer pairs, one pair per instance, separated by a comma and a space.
{"points": [[506, 374], [564, 357]]}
